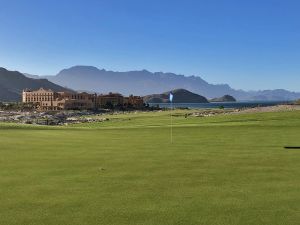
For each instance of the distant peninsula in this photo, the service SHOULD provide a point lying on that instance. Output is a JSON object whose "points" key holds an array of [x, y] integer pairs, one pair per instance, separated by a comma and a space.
{"points": [[225, 98], [180, 96]]}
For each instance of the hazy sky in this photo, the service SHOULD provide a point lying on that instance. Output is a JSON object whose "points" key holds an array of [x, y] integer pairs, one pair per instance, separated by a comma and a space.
{"points": [[253, 44]]}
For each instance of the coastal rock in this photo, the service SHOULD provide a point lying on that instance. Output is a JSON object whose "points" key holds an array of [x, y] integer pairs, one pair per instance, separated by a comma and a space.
{"points": [[225, 98], [180, 96]]}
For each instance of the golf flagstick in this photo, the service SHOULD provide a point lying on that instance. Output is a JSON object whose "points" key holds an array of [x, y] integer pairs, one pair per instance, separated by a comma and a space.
{"points": [[171, 100]]}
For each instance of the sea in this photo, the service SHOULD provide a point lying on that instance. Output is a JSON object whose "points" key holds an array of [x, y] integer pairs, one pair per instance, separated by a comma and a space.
{"points": [[226, 105]]}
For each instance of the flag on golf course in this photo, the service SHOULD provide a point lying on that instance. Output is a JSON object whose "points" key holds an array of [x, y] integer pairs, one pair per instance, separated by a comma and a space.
{"points": [[171, 97]]}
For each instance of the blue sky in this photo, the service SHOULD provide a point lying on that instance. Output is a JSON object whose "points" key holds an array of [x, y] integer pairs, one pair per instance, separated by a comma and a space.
{"points": [[250, 45]]}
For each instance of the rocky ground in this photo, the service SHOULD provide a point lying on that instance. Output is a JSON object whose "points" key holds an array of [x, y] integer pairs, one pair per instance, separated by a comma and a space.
{"points": [[70, 117], [214, 112], [277, 108], [50, 118]]}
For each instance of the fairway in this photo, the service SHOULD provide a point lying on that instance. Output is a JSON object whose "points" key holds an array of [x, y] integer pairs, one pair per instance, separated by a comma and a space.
{"points": [[227, 169]]}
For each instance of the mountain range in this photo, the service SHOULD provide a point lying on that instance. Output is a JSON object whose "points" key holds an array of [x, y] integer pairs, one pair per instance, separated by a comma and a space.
{"points": [[89, 78], [92, 79], [12, 83]]}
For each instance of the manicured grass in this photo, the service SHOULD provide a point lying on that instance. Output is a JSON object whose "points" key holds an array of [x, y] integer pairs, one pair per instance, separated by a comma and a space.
{"points": [[229, 169]]}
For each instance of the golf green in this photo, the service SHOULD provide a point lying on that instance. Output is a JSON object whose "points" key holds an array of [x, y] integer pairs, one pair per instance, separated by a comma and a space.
{"points": [[227, 169]]}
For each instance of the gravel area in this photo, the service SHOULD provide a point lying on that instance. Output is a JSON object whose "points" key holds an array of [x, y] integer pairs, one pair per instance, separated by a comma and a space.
{"points": [[277, 108]]}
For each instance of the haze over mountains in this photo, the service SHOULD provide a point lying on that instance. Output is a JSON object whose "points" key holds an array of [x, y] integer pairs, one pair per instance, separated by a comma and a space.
{"points": [[143, 83]]}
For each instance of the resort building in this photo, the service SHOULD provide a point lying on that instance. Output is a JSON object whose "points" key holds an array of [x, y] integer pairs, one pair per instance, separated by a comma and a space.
{"points": [[133, 101], [111, 99], [79, 101], [51, 100]]}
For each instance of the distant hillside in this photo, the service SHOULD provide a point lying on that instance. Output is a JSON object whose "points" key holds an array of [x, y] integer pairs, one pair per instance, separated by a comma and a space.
{"points": [[180, 96], [32, 76], [225, 98], [144, 83], [275, 95], [12, 83]]}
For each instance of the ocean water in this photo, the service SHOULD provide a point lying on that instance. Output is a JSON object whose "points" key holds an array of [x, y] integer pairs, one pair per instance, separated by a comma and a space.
{"points": [[226, 105]]}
